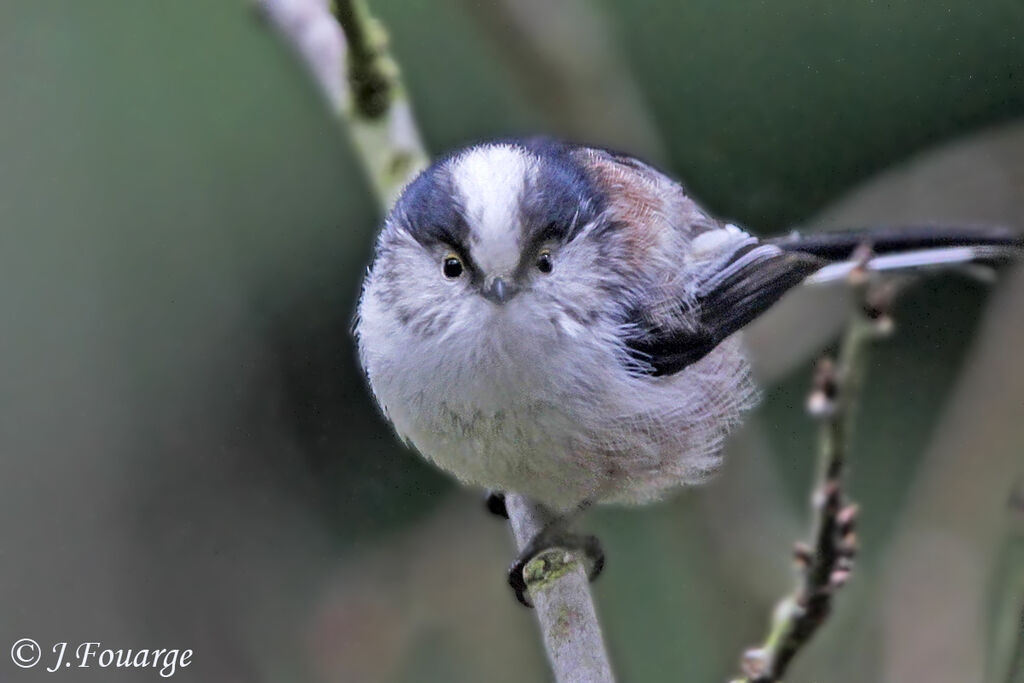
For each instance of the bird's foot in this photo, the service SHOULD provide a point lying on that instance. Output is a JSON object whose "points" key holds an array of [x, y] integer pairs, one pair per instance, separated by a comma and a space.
{"points": [[495, 504], [589, 547]]}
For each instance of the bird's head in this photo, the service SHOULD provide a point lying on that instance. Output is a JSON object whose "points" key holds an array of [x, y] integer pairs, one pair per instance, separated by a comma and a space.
{"points": [[496, 231]]}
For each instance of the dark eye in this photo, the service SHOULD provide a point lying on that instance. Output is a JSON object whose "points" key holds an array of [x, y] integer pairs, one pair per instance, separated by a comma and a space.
{"points": [[451, 266], [544, 264]]}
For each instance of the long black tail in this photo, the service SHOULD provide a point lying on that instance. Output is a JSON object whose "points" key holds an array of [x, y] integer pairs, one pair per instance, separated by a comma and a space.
{"points": [[755, 276], [900, 248], [840, 245]]}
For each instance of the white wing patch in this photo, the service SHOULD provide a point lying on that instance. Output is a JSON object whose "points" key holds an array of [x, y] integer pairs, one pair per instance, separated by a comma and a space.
{"points": [[919, 258], [490, 180], [713, 242]]}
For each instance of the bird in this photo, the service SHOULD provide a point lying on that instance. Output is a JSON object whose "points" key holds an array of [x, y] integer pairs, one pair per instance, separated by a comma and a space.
{"points": [[563, 321]]}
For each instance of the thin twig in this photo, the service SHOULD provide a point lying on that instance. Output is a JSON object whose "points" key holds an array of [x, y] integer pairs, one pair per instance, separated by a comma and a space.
{"points": [[826, 561], [371, 101]]}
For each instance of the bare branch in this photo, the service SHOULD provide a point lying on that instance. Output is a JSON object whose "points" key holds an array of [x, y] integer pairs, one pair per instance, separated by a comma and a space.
{"points": [[371, 102], [560, 592], [362, 85], [826, 561]]}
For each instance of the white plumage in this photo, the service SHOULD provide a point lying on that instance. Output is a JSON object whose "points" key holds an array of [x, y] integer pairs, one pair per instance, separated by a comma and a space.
{"points": [[607, 368], [540, 395]]}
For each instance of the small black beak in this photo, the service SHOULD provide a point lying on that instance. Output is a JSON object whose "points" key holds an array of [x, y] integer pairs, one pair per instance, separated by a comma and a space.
{"points": [[499, 291]]}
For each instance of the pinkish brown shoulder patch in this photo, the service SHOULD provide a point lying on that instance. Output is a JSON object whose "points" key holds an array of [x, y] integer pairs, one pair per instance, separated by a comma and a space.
{"points": [[653, 209]]}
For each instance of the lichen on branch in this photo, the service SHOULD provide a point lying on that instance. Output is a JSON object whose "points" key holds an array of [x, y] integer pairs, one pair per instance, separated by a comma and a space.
{"points": [[347, 53]]}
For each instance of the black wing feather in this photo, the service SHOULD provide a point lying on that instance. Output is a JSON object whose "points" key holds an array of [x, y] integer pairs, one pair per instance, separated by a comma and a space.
{"points": [[727, 299]]}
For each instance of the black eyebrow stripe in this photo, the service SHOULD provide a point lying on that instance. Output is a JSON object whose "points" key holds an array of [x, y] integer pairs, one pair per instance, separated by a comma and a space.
{"points": [[439, 233], [563, 196], [550, 233], [554, 230], [432, 210], [457, 240]]}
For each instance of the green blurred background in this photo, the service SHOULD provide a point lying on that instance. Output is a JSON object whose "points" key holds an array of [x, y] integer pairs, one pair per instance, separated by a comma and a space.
{"points": [[188, 456]]}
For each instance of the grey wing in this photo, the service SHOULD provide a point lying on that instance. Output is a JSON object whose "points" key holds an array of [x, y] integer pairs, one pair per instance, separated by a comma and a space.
{"points": [[737, 279]]}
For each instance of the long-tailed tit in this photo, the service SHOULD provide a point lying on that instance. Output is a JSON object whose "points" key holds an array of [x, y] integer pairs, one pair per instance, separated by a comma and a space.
{"points": [[560, 321]]}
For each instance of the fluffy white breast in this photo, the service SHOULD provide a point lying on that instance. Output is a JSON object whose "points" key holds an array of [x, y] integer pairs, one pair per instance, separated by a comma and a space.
{"points": [[490, 180]]}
